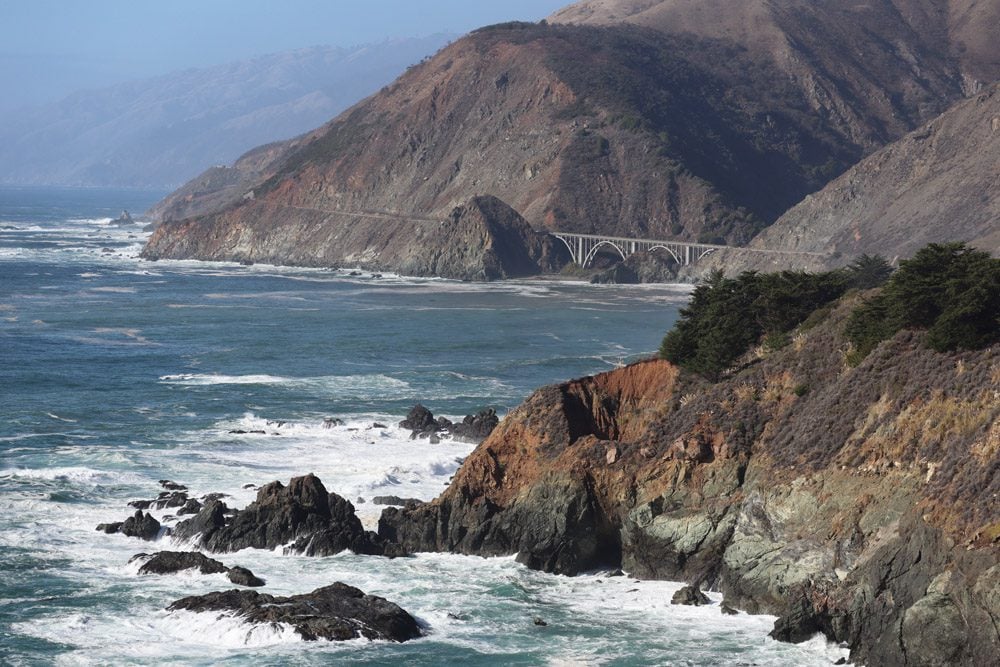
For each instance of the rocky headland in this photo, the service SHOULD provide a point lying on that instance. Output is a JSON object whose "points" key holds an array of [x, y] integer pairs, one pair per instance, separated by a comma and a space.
{"points": [[860, 502]]}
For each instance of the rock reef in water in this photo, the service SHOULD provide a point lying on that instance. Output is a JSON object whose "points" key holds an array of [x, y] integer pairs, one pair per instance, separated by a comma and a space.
{"points": [[473, 428], [336, 613], [171, 562], [303, 514], [857, 502], [141, 525]]}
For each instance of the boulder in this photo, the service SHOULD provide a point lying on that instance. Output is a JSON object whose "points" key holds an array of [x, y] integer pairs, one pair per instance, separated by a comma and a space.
{"points": [[140, 525], [110, 528], [241, 576], [336, 613], [418, 419], [175, 499], [169, 562], [689, 595], [474, 428]]}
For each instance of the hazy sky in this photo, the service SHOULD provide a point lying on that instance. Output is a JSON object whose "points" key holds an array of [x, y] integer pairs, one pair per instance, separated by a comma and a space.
{"points": [[49, 48]]}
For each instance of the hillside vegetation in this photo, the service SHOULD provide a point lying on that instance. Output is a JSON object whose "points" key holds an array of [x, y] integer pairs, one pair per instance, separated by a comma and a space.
{"points": [[950, 290]]}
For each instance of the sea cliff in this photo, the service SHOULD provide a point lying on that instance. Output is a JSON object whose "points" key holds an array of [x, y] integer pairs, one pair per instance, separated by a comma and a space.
{"points": [[860, 502]]}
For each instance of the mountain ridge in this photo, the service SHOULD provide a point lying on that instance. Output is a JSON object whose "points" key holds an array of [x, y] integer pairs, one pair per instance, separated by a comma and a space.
{"points": [[619, 129], [163, 130]]}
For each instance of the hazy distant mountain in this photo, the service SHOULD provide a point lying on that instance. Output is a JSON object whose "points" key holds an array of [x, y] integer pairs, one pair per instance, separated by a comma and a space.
{"points": [[162, 131]]}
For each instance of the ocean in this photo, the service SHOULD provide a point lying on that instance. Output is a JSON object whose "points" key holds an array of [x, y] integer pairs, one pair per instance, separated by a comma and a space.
{"points": [[117, 372]]}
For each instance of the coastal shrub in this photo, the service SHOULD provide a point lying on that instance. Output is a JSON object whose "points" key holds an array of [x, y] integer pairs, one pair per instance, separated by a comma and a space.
{"points": [[727, 316], [949, 289], [868, 271]]}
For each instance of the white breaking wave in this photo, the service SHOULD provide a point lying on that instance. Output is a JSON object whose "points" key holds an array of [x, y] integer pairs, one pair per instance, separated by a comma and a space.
{"points": [[84, 476], [341, 385]]}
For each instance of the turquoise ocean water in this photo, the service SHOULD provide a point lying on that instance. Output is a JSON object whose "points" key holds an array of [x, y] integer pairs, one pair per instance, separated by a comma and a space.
{"points": [[116, 373]]}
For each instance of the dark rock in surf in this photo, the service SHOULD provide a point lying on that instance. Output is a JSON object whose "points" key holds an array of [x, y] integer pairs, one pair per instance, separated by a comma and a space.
{"points": [[419, 419], [317, 522], [192, 506], [476, 428], [175, 499], [170, 562], [123, 220], [172, 486], [241, 576], [141, 525], [336, 613], [799, 622], [727, 610], [110, 528], [396, 500], [689, 595], [210, 518]]}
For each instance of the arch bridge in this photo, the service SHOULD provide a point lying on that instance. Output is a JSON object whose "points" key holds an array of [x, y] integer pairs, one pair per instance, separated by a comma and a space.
{"points": [[583, 247]]}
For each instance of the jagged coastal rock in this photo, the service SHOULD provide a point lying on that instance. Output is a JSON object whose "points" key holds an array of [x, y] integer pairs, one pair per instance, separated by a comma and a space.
{"points": [[170, 562], [336, 613], [304, 513], [141, 524], [473, 428], [858, 502]]}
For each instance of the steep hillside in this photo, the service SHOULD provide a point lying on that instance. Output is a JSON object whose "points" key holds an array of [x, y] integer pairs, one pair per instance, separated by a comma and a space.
{"points": [[825, 44], [162, 131], [938, 183], [860, 502], [482, 239], [618, 129]]}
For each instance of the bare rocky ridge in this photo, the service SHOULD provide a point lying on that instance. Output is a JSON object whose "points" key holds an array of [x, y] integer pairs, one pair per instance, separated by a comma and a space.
{"points": [[939, 183], [857, 502], [625, 129], [819, 42]]}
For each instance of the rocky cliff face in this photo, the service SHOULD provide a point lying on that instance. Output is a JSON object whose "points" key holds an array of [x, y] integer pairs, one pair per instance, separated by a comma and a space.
{"points": [[859, 502], [624, 129], [483, 239]]}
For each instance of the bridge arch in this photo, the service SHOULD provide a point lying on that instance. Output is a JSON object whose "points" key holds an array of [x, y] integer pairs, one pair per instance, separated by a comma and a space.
{"points": [[572, 250], [593, 251], [673, 254]]}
